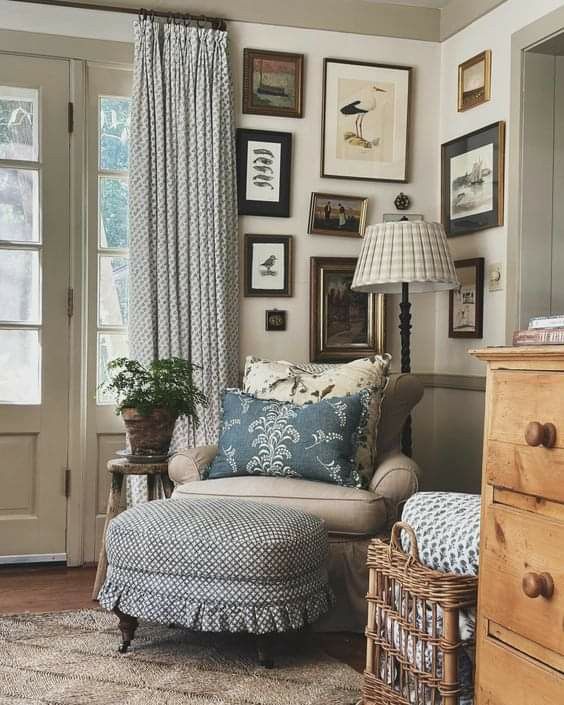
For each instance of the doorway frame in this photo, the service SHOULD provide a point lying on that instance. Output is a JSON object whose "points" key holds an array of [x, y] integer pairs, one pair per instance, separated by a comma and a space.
{"points": [[78, 52], [522, 41]]}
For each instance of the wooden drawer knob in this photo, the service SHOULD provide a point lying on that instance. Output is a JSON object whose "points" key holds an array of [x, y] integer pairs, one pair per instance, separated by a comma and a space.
{"points": [[538, 585], [539, 434]]}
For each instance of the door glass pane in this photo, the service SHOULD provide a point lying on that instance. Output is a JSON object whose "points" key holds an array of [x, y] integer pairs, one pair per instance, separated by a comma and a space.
{"points": [[110, 346], [113, 291], [19, 286], [19, 367], [113, 212], [19, 205], [18, 123], [114, 133]]}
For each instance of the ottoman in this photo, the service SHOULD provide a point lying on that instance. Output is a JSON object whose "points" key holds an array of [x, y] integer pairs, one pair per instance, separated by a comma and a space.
{"points": [[219, 565]]}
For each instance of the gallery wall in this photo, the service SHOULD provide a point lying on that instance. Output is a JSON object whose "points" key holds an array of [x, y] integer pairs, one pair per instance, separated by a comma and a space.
{"points": [[293, 344]]}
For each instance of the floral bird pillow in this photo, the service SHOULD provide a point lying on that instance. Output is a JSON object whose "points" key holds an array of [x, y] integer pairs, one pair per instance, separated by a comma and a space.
{"points": [[312, 442]]}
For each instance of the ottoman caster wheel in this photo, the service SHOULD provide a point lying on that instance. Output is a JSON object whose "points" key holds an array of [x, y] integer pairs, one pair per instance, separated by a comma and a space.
{"points": [[127, 626], [264, 651]]}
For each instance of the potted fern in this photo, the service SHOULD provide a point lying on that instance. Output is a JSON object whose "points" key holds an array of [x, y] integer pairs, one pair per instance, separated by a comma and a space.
{"points": [[150, 399]]}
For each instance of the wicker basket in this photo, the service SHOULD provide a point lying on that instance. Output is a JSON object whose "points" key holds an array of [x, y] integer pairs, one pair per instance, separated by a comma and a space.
{"points": [[413, 636]]}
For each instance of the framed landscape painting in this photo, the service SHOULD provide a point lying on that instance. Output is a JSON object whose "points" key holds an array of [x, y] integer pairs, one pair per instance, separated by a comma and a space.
{"points": [[268, 265], [466, 304], [263, 172], [472, 176], [330, 214], [365, 121], [344, 324], [474, 81], [272, 83]]}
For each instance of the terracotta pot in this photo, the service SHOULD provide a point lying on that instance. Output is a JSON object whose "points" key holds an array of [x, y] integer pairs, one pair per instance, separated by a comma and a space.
{"points": [[148, 434]]}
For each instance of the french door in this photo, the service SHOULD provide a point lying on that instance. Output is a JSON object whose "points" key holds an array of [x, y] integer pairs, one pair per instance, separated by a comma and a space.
{"points": [[108, 104], [34, 323]]}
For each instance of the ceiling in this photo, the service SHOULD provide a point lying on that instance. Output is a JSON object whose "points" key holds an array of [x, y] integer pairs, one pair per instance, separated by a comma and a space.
{"points": [[437, 4]]}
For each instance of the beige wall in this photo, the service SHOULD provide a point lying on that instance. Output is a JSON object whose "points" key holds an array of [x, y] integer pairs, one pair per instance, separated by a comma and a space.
{"points": [[448, 423], [423, 187], [457, 415]]}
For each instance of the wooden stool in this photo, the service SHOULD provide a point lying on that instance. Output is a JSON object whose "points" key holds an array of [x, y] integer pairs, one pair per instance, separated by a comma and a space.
{"points": [[118, 468]]}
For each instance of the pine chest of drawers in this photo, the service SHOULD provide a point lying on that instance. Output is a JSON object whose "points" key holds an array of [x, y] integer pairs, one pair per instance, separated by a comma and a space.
{"points": [[520, 623]]}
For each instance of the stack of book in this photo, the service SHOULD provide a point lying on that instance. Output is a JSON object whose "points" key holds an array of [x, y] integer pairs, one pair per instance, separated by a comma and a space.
{"points": [[542, 330]]}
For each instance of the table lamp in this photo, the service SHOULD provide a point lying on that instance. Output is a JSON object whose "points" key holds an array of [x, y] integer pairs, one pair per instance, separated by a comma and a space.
{"points": [[403, 257]]}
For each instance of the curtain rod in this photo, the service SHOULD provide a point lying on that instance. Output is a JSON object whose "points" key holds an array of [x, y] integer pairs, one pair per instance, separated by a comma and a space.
{"points": [[215, 22]]}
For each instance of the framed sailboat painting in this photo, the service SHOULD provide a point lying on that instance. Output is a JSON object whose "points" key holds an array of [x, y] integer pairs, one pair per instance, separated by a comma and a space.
{"points": [[272, 83], [472, 169]]}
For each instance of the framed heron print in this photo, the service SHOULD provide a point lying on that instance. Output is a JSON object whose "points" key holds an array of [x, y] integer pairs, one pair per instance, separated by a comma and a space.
{"points": [[268, 265], [365, 121]]}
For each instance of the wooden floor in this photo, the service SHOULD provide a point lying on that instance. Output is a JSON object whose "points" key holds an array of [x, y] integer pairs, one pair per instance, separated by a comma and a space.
{"points": [[41, 589]]}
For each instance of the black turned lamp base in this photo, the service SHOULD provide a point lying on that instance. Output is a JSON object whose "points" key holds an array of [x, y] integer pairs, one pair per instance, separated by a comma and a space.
{"points": [[405, 334]]}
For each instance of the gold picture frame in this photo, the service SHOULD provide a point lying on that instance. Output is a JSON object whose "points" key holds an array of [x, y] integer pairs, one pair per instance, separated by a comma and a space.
{"points": [[335, 214], [475, 81], [344, 325]]}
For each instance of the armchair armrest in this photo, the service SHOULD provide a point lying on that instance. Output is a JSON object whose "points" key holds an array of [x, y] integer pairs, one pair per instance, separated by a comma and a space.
{"points": [[188, 465], [396, 478]]}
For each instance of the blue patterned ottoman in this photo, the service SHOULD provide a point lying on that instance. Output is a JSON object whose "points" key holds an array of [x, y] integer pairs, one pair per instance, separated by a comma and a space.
{"points": [[216, 565]]}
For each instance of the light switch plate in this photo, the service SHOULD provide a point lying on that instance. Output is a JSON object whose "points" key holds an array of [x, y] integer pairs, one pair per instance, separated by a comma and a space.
{"points": [[495, 277]]}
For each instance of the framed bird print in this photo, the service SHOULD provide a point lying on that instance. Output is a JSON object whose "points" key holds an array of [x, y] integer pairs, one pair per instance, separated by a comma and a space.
{"points": [[268, 265], [263, 172], [365, 121]]}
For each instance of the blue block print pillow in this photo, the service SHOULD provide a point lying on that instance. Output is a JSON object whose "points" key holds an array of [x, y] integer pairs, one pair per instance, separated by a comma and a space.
{"points": [[268, 437]]}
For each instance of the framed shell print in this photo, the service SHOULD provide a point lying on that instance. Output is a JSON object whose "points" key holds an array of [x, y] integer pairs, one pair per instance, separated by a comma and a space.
{"points": [[264, 160]]}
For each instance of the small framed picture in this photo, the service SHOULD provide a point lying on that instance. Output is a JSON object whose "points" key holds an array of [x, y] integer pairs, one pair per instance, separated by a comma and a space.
{"points": [[268, 265], [365, 121], [272, 83], [466, 304], [475, 81], [399, 217], [275, 320], [472, 180], [344, 324], [263, 172], [330, 214]]}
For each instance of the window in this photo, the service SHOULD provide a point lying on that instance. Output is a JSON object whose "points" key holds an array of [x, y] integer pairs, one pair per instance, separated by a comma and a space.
{"points": [[20, 247], [113, 233]]}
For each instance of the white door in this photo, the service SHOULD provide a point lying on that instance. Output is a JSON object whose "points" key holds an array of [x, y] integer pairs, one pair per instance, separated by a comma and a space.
{"points": [[107, 117], [34, 325]]}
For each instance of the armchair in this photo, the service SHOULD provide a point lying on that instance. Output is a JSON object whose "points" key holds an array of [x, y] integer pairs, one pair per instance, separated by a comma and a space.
{"points": [[352, 515]]}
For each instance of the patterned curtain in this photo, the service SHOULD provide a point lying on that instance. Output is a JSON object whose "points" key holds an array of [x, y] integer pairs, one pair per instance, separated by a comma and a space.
{"points": [[184, 273]]}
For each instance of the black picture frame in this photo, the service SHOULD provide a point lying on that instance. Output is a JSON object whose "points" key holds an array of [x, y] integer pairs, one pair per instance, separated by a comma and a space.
{"points": [[274, 170], [493, 134], [286, 242], [473, 310], [401, 120], [275, 320]]}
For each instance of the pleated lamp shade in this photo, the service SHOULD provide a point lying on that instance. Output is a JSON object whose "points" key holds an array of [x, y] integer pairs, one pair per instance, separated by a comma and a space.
{"points": [[413, 252]]}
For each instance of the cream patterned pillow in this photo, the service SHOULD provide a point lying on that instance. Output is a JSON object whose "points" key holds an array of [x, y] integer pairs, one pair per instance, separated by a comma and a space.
{"points": [[290, 382]]}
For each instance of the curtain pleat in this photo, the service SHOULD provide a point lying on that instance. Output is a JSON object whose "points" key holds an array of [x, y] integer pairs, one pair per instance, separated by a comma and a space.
{"points": [[184, 272]]}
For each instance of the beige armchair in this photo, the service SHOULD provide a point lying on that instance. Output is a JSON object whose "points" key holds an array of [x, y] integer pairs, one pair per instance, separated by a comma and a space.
{"points": [[352, 515]]}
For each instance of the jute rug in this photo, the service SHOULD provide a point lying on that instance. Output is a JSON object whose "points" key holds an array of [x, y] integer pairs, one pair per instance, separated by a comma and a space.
{"points": [[71, 657]]}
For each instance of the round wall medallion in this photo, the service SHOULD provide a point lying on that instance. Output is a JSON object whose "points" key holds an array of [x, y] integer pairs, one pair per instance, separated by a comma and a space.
{"points": [[402, 202]]}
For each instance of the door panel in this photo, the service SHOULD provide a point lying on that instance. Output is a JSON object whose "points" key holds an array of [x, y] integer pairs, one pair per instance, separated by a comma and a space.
{"points": [[108, 109], [34, 329]]}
